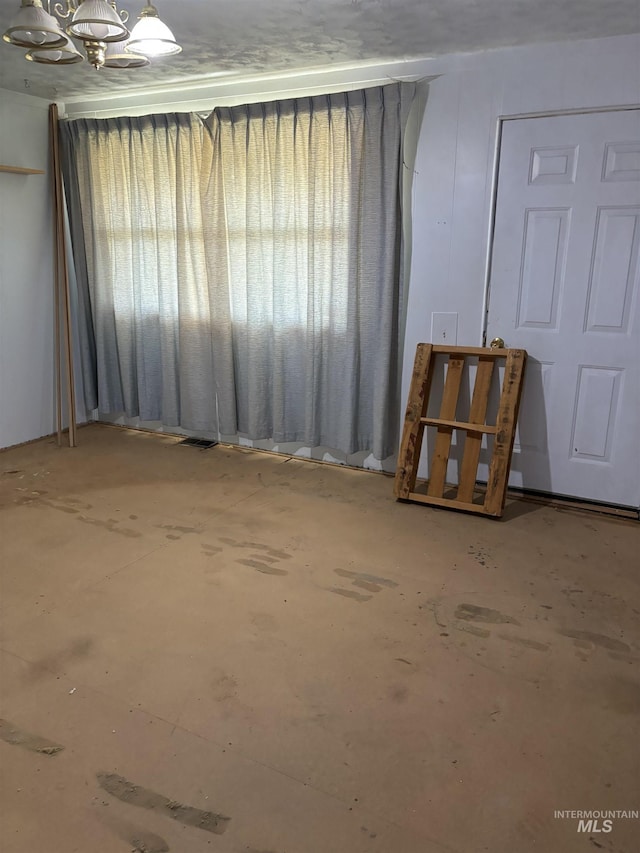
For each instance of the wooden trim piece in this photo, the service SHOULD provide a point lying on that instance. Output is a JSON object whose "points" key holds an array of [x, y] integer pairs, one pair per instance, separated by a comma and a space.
{"points": [[463, 352], [448, 408], [56, 293], [19, 170], [467, 426], [506, 423], [473, 441], [63, 301], [411, 444], [447, 503]]}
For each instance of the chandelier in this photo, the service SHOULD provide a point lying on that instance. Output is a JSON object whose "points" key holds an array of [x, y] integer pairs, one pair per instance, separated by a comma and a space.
{"points": [[99, 27]]}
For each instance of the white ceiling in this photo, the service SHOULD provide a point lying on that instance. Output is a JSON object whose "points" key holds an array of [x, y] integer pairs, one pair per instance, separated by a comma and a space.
{"points": [[236, 38]]}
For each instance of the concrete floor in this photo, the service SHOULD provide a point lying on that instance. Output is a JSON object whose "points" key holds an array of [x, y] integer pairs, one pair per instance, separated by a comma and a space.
{"points": [[245, 653]]}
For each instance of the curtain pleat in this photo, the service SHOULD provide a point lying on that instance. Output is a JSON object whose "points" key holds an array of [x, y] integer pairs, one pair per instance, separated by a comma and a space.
{"points": [[243, 274]]}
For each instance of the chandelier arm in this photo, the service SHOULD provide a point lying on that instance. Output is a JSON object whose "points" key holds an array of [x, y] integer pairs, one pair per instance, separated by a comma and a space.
{"points": [[65, 10], [124, 15]]}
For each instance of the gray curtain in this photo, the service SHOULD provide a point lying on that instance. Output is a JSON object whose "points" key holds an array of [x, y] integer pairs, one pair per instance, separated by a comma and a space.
{"points": [[243, 274], [135, 207]]}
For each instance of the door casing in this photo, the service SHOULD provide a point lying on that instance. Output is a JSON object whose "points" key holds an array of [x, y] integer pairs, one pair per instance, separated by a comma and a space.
{"points": [[494, 187]]}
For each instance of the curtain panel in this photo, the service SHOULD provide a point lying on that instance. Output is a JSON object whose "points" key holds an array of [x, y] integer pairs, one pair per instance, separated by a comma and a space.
{"points": [[242, 274]]}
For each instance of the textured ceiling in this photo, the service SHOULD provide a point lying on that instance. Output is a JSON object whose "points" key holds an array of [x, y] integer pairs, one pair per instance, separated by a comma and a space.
{"points": [[248, 37]]}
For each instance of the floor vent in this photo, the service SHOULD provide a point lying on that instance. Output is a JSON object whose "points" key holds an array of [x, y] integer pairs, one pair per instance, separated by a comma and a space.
{"points": [[202, 443]]}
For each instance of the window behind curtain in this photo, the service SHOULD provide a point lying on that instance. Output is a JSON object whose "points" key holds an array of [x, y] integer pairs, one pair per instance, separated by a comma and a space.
{"points": [[270, 305]]}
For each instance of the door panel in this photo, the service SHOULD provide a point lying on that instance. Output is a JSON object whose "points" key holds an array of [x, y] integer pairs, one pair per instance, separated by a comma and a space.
{"points": [[564, 286], [543, 266], [614, 270], [595, 412]]}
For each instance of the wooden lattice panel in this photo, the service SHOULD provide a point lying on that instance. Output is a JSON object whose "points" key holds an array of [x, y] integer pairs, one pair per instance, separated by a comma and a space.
{"points": [[503, 430]]}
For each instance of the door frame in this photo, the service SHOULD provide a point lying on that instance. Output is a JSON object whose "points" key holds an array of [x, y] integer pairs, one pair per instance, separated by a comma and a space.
{"points": [[494, 198]]}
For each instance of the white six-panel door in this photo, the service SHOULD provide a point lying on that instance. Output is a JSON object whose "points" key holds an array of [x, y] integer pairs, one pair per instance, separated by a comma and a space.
{"points": [[564, 286]]}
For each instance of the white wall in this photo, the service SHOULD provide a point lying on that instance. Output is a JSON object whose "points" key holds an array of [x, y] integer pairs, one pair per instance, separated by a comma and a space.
{"points": [[26, 274]]}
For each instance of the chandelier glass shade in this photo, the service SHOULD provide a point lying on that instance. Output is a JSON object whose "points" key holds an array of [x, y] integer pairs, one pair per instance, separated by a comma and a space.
{"points": [[118, 55], [68, 54], [151, 37], [33, 27], [99, 27], [96, 20]]}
